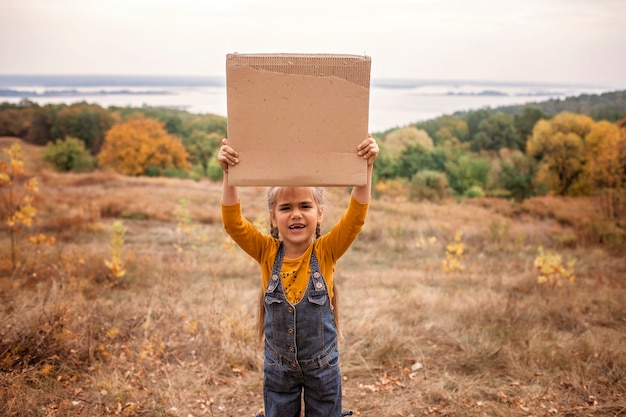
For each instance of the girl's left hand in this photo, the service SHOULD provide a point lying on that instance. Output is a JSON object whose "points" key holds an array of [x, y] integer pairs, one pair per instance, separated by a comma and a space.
{"points": [[368, 149]]}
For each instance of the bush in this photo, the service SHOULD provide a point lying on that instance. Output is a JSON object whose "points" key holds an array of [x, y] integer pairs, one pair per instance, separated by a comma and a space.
{"points": [[474, 191], [69, 154], [429, 185], [467, 171], [214, 170], [175, 173]]}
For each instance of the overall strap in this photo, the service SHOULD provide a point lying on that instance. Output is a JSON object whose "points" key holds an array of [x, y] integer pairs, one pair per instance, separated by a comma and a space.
{"points": [[278, 262]]}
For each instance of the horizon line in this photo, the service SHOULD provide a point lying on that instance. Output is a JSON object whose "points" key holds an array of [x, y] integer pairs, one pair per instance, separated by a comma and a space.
{"points": [[385, 82]]}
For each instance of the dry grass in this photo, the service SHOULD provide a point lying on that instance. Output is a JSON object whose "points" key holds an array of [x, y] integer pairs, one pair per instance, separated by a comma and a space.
{"points": [[176, 337]]}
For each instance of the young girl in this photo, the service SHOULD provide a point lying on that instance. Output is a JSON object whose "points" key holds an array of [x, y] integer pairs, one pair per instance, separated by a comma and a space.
{"points": [[297, 311]]}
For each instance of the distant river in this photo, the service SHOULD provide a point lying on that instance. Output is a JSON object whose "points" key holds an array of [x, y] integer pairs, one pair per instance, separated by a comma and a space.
{"points": [[393, 102]]}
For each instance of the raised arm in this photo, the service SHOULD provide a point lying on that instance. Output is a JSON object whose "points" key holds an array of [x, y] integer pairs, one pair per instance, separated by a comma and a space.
{"points": [[368, 149], [228, 157]]}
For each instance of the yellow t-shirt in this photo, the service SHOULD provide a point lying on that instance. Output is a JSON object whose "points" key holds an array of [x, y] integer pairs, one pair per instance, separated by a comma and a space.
{"points": [[295, 272]]}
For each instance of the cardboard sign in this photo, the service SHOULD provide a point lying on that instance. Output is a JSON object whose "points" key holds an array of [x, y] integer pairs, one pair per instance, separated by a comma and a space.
{"points": [[297, 119]]}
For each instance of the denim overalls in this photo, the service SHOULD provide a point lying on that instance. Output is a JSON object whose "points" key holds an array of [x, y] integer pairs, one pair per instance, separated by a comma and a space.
{"points": [[300, 349]]}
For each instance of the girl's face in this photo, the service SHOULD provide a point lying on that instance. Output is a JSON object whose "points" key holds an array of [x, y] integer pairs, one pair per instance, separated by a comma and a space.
{"points": [[296, 215]]}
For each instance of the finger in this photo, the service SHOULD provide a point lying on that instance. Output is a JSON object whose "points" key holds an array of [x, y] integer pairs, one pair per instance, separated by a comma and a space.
{"points": [[230, 158], [364, 147]]}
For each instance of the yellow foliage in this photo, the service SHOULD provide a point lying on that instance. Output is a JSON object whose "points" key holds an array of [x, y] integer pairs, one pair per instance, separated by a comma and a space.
{"points": [[47, 370], [455, 254], [191, 327], [113, 332], [41, 239], [401, 138], [19, 203], [152, 348], [133, 147], [116, 264], [551, 270], [606, 164], [24, 214], [560, 144], [32, 184]]}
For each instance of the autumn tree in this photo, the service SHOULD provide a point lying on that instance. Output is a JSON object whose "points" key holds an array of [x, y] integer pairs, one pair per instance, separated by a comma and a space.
{"points": [[559, 146], [16, 197], [41, 123], [13, 121], [606, 166], [446, 130], [83, 121], [134, 146], [401, 138]]}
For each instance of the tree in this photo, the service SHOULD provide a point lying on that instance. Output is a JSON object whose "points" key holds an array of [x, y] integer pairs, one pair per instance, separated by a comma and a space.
{"points": [[385, 167], [495, 132], [446, 130], [16, 197], [559, 145], [137, 145], [413, 159], [41, 123], [13, 122], [86, 122], [606, 166], [467, 172], [516, 175], [208, 123], [474, 118], [399, 139], [201, 147], [525, 122]]}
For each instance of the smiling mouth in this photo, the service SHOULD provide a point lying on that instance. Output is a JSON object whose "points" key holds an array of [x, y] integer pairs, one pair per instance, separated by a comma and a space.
{"points": [[296, 227]]}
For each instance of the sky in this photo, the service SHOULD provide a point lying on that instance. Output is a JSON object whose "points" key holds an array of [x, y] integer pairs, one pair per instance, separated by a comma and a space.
{"points": [[547, 41]]}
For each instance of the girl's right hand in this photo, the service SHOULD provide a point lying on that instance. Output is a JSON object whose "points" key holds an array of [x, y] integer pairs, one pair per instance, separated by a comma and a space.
{"points": [[227, 156]]}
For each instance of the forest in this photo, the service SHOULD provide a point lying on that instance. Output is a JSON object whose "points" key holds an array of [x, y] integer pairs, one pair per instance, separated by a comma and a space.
{"points": [[487, 281], [568, 147]]}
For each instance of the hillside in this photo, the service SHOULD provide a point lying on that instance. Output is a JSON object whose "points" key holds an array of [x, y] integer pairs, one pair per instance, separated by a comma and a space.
{"points": [[608, 106], [175, 336]]}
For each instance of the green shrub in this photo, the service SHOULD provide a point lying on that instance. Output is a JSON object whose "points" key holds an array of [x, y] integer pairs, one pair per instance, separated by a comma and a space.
{"points": [[69, 154], [474, 191], [175, 173], [214, 170], [429, 185]]}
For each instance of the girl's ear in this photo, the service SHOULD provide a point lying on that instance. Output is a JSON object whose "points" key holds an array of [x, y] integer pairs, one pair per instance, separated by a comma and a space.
{"points": [[320, 214]]}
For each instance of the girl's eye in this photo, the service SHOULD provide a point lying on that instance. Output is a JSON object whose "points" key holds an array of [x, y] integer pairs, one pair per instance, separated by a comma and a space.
{"points": [[284, 208]]}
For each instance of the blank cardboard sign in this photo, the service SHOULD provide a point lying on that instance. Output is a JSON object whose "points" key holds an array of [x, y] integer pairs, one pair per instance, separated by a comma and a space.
{"points": [[297, 119]]}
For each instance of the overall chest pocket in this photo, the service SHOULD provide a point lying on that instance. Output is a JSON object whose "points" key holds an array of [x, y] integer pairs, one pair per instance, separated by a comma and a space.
{"points": [[272, 299], [318, 297]]}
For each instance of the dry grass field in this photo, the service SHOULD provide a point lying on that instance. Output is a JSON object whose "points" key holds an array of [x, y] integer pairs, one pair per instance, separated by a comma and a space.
{"points": [[175, 336]]}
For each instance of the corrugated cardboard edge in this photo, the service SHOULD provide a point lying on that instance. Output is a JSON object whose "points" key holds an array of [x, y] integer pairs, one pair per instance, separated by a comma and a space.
{"points": [[352, 68]]}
